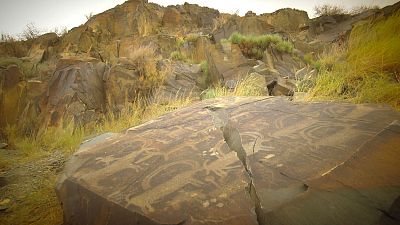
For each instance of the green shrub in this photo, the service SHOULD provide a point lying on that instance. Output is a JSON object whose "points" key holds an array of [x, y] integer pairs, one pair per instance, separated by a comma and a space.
{"points": [[285, 46], [205, 79], [27, 68], [254, 46]]}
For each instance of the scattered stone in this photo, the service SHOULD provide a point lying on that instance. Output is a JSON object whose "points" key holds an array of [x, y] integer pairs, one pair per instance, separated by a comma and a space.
{"points": [[220, 205], [3, 145], [5, 204]]}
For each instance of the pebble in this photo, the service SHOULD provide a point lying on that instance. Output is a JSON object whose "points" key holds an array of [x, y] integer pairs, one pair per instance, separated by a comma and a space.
{"points": [[269, 156], [220, 205], [3, 145]]}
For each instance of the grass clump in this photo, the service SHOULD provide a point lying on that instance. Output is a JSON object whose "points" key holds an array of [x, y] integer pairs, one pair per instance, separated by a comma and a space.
{"points": [[192, 38], [205, 78], [254, 46], [176, 55], [251, 85], [145, 59], [367, 70]]}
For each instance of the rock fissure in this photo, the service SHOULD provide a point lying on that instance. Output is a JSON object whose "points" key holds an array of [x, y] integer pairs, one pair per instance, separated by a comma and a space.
{"points": [[233, 139]]}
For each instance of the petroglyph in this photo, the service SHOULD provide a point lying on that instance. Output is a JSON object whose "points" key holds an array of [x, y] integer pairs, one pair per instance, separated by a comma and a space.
{"points": [[230, 161]]}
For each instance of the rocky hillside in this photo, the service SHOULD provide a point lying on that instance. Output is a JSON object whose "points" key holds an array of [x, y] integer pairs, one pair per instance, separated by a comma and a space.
{"points": [[248, 157], [139, 48]]}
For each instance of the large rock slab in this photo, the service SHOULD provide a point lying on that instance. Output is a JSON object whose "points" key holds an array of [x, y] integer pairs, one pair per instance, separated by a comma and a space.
{"points": [[238, 160]]}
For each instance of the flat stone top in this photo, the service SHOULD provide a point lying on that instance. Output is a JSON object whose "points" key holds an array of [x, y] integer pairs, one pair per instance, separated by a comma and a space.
{"points": [[234, 160]]}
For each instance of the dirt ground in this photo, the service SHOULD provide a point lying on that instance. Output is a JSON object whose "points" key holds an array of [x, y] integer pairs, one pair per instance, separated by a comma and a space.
{"points": [[27, 193]]}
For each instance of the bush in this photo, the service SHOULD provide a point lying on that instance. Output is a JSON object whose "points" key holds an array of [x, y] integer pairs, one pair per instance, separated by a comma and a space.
{"points": [[192, 38], [176, 55], [285, 46], [145, 59], [329, 10], [31, 32], [205, 79], [254, 46]]}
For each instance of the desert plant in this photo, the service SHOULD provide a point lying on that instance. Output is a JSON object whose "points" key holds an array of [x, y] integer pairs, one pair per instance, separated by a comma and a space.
{"points": [[362, 8], [192, 38], [205, 79], [145, 59], [254, 46], [250, 85], [367, 69], [89, 16], [30, 32], [285, 46], [7, 38], [329, 10], [176, 55], [60, 31]]}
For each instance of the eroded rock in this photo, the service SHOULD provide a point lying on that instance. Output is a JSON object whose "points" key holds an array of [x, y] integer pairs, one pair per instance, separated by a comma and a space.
{"points": [[240, 161]]}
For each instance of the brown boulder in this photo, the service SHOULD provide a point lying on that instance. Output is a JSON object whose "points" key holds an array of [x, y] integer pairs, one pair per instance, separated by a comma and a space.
{"points": [[241, 161], [75, 90]]}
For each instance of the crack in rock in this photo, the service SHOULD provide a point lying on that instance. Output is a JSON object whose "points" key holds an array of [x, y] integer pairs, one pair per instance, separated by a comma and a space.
{"points": [[233, 139]]}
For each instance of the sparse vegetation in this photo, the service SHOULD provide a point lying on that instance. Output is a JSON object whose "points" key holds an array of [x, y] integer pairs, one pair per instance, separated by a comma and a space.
{"points": [[248, 86], [192, 38], [254, 46], [362, 8], [367, 71], [40, 206], [176, 55], [89, 16], [27, 68], [329, 10], [205, 79], [31, 32], [145, 59]]}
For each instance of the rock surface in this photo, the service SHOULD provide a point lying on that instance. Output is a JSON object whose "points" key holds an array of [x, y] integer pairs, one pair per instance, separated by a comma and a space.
{"points": [[241, 161]]}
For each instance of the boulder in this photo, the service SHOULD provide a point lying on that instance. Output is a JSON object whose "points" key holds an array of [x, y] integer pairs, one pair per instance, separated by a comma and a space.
{"points": [[75, 93], [182, 82], [228, 66], [236, 160], [121, 85], [12, 94], [172, 18], [3, 146], [288, 20]]}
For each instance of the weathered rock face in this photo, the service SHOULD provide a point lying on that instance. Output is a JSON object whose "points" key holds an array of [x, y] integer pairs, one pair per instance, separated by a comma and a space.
{"points": [[248, 25], [75, 92], [12, 87], [121, 85], [288, 20], [241, 161], [182, 82], [229, 65]]}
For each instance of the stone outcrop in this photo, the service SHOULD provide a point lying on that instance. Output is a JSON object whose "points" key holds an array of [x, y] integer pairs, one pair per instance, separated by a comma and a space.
{"points": [[75, 93], [241, 161], [288, 20]]}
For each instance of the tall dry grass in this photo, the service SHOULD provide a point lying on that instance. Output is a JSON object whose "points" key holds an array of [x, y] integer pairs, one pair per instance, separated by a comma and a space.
{"points": [[367, 70]]}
